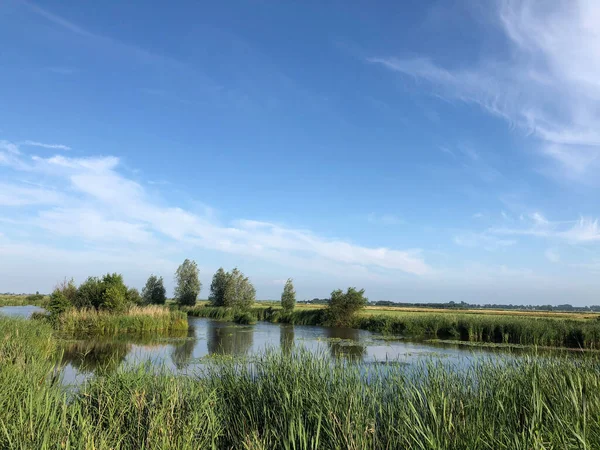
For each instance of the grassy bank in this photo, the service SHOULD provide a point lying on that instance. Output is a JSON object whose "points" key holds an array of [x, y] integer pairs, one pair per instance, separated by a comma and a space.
{"points": [[261, 313], [297, 401], [135, 320], [23, 300], [490, 328]]}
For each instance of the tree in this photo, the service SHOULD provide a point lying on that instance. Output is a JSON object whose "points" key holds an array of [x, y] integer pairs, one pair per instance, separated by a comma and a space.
{"points": [[89, 293], [342, 306], [239, 292], [109, 292], [134, 297], [187, 283], [218, 287], [154, 292], [114, 297], [288, 297]]}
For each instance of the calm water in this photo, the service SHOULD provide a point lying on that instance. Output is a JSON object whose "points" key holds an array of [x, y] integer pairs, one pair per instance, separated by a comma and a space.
{"points": [[187, 352], [20, 311]]}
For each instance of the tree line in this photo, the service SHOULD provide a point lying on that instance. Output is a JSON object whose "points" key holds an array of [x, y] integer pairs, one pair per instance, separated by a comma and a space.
{"points": [[228, 289]]}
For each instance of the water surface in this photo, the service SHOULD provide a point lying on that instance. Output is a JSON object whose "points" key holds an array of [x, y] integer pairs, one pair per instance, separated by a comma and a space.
{"points": [[188, 352], [207, 338], [20, 311]]}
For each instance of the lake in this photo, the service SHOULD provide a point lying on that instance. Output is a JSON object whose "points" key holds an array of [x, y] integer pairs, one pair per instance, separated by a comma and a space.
{"points": [[188, 351]]}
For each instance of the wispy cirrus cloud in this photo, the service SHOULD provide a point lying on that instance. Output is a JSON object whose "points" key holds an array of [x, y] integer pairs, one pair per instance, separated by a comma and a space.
{"points": [[583, 230], [483, 240], [43, 145], [548, 86], [70, 26], [93, 201]]}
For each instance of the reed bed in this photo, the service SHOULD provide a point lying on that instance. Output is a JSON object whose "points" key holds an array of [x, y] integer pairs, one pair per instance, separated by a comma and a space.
{"points": [[297, 401], [24, 300], [137, 319], [475, 328], [521, 330]]}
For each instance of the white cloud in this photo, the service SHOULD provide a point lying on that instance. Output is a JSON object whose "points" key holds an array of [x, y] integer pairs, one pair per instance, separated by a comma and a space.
{"points": [[9, 147], [48, 146], [19, 195], [96, 203], [584, 230], [549, 86]]}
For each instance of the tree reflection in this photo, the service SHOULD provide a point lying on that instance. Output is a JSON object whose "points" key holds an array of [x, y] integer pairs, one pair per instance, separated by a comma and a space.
{"points": [[286, 338], [228, 339], [92, 356], [345, 343], [183, 351]]}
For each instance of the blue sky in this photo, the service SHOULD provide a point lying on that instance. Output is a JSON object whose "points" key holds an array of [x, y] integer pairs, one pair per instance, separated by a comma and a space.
{"points": [[426, 151]]}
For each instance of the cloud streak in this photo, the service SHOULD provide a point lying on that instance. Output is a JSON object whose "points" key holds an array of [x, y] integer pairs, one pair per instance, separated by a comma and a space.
{"points": [[548, 87], [48, 146], [581, 231], [92, 201]]}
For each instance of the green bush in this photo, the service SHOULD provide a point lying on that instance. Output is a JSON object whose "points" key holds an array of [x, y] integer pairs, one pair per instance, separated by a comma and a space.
{"points": [[108, 293], [90, 293], [114, 299], [244, 317], [58, 303], [342, 306]]}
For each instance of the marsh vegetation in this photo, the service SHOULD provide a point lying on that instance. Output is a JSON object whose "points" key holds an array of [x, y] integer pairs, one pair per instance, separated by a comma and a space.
{"points": [[296, 399]]}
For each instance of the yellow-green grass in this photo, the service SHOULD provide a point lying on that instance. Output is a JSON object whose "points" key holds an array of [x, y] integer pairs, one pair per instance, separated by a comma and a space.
{"points": [[296, 401], [138, 319], [529, 330], [23, 300], [393, 310]]}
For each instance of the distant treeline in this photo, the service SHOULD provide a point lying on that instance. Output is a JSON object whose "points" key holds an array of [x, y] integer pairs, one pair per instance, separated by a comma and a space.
{"points": [[463, 305]]}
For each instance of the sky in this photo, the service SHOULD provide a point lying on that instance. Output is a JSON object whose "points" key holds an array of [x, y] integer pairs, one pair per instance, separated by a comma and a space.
{"points": [[426, 151]]}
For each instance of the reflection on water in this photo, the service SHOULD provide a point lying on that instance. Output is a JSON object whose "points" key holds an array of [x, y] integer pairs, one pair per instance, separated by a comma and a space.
{"points": [[184, 352], [229, 339], [346, 343], [286, 338], [92, 356]]}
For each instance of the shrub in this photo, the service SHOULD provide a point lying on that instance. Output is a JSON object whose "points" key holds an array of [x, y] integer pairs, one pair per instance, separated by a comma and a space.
{"points": [[342, 306], [58, 303], [68, 289], [109, 293], [244, 318], [35, 298], [114, 298]]}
